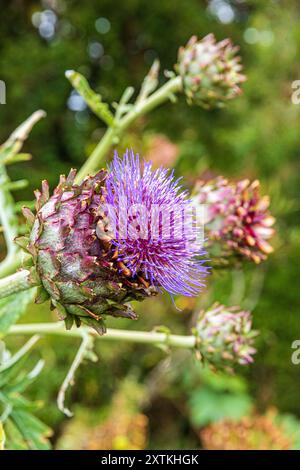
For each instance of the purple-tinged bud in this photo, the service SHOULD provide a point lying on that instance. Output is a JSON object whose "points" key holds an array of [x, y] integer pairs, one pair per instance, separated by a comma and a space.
{"points": [[210, 71], [237, 216], [225, 337]]}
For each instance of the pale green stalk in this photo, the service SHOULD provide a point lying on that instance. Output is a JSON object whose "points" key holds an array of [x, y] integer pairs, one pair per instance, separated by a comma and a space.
{"points": [[154, 338], [21, 280]]}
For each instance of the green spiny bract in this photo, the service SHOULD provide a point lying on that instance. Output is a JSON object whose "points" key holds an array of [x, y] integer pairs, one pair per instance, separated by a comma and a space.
{"points": [[210, 71], [79, 271]]}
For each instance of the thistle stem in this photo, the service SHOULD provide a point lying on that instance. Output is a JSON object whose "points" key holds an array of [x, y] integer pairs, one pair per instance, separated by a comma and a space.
{"points": [[95, 160], [21, 280], [154, 338]]}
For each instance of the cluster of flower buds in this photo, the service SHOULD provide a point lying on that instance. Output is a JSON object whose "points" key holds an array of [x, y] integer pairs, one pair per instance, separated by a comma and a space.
{"points": [[210, 71], [237, 216], [225, 337]]}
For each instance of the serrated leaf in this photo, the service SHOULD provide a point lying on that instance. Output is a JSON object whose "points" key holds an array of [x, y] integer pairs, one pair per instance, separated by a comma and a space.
{"points": [[12, 307]]}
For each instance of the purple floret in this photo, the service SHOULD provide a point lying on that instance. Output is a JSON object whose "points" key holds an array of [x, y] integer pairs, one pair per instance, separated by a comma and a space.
{"points": [[158, 239]]}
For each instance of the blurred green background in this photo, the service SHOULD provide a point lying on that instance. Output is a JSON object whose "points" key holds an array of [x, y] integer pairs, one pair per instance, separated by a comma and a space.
{"points": [[161, 401]]}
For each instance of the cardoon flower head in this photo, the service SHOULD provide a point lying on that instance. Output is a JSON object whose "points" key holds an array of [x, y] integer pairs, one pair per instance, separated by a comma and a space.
{"points": [[238, 216], [102, 243], [210, 71], [225, 336]]}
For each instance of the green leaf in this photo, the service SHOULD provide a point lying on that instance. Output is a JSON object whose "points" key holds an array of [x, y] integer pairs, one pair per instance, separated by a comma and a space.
{"points": [[22, 383], [12, 307], [22, 429], [223, 382], [14, 364], [34, 431], [14, 439], [208, 406]]}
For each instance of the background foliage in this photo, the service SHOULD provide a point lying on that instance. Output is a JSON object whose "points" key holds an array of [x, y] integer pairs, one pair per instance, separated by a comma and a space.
{"points": [[113, 44]]}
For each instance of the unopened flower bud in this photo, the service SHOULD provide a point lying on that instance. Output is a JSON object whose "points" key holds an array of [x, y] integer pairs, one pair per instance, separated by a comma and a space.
{"points": [[210, 71], [237, 216], [225, 336]]}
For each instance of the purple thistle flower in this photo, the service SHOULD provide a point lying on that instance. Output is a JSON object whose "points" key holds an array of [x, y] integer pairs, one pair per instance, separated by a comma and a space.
{"points": [[155, 235]]}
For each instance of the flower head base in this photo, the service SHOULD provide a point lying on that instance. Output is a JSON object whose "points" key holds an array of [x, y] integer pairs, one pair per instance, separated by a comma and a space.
{"points": [[92, 249], [237, 216], [225, 337], [210, 71], [158, 241]]}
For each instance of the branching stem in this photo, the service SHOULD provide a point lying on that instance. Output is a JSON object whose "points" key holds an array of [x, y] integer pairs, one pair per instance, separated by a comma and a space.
{"points": [[95, 160]]}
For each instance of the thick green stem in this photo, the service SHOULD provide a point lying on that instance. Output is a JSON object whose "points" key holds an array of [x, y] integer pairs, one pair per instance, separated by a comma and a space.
{"points": [[94, 162], [154, 338], [21, 280]]}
